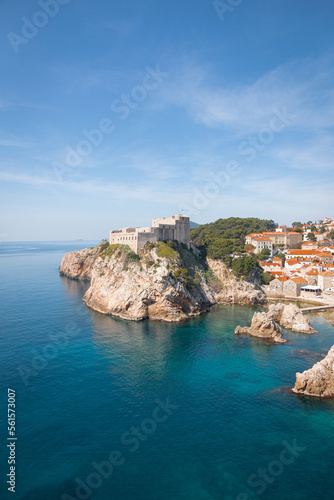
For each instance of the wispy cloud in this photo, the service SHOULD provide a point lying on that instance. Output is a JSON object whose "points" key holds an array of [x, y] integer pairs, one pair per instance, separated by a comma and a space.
{"points": [[13, 141], [314, 153], [97, 187], [304, 87]]}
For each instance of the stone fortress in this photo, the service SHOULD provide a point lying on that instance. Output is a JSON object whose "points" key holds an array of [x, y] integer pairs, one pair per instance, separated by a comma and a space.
{"points": [[175, 228]]}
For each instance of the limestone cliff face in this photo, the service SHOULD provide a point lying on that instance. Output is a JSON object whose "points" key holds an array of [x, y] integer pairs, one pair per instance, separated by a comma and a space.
{"points": [[319, 380], [233, 290], [153, 286], [79, 265], [163, 283]]}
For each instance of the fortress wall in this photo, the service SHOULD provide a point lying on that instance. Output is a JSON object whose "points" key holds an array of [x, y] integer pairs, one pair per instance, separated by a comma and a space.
{"points": [[176, 228], [143, 238], [181, 224], [167, 233], [124, 238], [183, 231]]}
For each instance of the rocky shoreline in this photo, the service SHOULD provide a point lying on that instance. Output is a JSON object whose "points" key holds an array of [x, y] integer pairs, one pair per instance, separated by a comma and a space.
{"points": [[318, 381], [165, 282]]}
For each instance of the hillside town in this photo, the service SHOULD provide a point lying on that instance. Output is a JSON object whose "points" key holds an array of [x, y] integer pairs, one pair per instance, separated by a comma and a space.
{"points": [[300, 259]]}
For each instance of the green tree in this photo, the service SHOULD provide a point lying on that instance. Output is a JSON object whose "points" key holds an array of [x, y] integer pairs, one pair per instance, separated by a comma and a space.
{"points": [[264, 254], [313, 227], [267, 278], [297, 224], [298, 230], [311, 237], [243, 265], [322, 229], [281, 256], [331, 235]]}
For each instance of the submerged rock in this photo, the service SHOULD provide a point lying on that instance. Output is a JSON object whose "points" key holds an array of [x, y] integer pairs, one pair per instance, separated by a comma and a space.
{"points": [[319, 380], [264, 327], [291, 317], [306, 352]]}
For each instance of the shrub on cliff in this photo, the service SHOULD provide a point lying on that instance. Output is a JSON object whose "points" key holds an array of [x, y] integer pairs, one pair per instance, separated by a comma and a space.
{"points": [[183, 276], [108, 250], [243, 265], [267, 278]]}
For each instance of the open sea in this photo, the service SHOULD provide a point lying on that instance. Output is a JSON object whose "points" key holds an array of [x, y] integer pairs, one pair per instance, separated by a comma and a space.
{"points": [[114, 410]]}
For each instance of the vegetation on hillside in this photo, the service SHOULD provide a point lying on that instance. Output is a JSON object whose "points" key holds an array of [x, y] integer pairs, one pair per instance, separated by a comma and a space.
{"points": [[244, 264], [226, 236], [107, 250], [264, 254]]}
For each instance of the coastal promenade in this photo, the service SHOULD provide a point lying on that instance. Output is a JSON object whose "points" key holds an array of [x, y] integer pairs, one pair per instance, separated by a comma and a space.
{"points": [[318, 308]]}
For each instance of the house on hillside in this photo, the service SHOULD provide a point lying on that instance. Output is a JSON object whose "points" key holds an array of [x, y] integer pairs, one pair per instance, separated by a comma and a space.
{"points": [[293, 285], [325, 280]]}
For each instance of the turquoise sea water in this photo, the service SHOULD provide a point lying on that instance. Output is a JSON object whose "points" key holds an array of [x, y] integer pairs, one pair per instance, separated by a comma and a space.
{"points": [[90, 389]]}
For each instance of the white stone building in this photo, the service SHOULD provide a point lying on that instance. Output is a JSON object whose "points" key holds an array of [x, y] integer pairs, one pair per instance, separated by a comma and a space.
{"points": [[175, 228]]}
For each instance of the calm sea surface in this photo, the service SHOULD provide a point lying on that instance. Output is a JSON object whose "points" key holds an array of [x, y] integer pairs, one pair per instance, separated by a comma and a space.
{"points": [[114, 410]]}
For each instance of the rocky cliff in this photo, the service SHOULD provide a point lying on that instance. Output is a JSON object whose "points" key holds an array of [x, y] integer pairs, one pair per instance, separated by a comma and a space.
{"points": [[318, 380], [165, 282], [264, 327], [234, 290], [291, 317], [79, 265]]}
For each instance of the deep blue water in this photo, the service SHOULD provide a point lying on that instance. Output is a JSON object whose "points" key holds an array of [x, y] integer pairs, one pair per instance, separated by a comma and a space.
{"points": [[229, 417]]}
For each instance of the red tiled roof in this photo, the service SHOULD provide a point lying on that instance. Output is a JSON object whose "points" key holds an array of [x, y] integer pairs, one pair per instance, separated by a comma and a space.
{"points": [[291, 262], [299, 280], [312, 272]]}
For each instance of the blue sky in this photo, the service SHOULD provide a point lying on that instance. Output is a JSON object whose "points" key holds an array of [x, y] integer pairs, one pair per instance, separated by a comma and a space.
{"points": [[112, 113]]}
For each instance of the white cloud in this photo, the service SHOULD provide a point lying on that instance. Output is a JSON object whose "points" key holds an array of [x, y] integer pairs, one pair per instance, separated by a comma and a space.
{"points": [[316, 153], [98, 187], [304, 87]]}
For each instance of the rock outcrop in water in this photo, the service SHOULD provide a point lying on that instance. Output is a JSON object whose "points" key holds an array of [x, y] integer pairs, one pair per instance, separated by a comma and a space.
{"points": [[165, 282], [291, 317], [268, 324], [264, 327], [319, 380]]}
